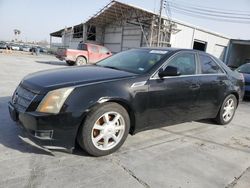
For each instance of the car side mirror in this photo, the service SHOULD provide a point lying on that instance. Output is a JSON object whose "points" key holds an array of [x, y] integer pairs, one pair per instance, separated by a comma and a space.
{"points": [[169, 71]]}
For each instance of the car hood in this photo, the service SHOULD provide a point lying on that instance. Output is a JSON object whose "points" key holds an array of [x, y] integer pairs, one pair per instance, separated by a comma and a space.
{"points": [[44, 81]]}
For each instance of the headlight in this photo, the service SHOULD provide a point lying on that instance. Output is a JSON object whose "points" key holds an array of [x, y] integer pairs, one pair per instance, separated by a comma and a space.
{"points": [[53, 101]]}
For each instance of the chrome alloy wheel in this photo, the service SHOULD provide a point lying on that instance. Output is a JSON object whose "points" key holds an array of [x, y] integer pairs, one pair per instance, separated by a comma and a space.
{"points": [[228, 110], [108, 131]]}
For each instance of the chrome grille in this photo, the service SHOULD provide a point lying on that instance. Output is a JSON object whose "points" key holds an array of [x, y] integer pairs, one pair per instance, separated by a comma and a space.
{"points": [[22, 98]]}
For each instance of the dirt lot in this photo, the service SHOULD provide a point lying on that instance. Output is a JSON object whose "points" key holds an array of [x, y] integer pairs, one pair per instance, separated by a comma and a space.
{"points": [[194, 154]]}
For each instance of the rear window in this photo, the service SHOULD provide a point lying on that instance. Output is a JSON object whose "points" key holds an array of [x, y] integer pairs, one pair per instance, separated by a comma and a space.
{"points": [[208, 65], [82, 46]]}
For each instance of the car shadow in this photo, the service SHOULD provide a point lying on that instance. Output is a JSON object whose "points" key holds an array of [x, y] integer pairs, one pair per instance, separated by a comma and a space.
{"points": [[12, 136], [79, 151], [61, 63], [246, 99], [208, 121]]}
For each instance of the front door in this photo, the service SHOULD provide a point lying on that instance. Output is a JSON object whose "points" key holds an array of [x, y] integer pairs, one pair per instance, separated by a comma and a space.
{"points": [[172, 99]]}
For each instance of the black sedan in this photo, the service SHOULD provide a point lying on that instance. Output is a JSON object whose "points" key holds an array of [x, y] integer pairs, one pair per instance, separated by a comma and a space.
{"points": [[99, 105]]}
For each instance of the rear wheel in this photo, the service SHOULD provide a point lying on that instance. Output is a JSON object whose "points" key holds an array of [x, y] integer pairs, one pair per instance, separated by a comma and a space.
{"points": [[105, 130], [81, 61], [227, 110], [70, 63]]}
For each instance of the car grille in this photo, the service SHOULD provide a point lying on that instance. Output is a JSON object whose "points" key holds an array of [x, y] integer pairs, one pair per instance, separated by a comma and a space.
{"points": [[22, 98]]}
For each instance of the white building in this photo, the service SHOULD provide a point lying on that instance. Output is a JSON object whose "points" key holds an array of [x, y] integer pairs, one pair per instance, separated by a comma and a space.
{"points": [[120, 26]]}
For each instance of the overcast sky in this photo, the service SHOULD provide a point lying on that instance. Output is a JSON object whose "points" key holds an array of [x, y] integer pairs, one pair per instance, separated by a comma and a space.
{"points": [[37, 18]]}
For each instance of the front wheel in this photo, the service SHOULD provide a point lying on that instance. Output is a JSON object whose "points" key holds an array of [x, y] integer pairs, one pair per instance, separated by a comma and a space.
{"points": [[227, 110], [105, 129]]}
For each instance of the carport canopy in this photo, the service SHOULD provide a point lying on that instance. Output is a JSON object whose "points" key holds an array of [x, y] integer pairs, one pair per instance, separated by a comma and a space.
{"points": [[116, 11], [238, 53], [59, 33]]}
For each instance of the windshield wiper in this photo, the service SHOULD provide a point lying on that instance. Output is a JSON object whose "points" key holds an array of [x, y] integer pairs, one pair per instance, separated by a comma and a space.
{"points": [[110, 67], [115, 68]]}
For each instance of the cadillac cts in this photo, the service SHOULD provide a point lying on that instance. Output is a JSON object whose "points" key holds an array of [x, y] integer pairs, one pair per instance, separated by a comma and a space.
{"points": [[97, 106]]}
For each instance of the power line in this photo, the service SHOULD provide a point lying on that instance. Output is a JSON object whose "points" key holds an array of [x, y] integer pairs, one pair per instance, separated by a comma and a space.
{"points": [[210, 14], [209, 17], [208, 10], [211, 8]]}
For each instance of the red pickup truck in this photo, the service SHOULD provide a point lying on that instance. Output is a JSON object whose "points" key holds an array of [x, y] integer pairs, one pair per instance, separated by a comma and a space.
{"points": [[85, 53]]}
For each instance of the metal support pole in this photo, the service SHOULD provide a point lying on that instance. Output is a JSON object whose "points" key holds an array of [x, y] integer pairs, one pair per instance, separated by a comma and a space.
{"points": [[192, 42], [159, 24], [50, 41], [152, 31], [83, 32]]}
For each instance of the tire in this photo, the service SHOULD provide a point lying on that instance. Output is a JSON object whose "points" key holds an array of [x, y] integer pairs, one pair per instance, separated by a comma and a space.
{"points": [[81, 61], [70, 63], [226, 114], [105, 129]]}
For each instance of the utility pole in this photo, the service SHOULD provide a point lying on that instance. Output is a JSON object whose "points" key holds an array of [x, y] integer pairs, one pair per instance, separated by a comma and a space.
{"points": [[159, 24]]}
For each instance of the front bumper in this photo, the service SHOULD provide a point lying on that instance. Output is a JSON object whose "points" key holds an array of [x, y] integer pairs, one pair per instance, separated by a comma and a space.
{"points": [[48, 130], [64, 58]]}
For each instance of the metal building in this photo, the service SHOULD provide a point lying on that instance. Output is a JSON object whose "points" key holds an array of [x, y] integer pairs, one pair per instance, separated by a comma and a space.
{"points": [[120, 26]]}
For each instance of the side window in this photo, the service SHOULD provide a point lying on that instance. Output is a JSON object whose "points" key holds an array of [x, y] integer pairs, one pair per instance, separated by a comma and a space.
{"points": [[103, 50], [93, 49], [208, 66], [185, 62]]}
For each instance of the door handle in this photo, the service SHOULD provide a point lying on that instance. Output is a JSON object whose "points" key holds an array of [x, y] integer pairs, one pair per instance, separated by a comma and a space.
{"points": [[221, 82], [194, 86]]}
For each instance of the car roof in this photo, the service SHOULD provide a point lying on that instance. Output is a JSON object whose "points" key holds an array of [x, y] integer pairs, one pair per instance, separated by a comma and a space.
{"points": [[173, 49]]}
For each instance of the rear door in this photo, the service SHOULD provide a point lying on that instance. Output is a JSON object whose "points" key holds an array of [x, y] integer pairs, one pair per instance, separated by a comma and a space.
{"points": [[172, 99], [213, 85]]}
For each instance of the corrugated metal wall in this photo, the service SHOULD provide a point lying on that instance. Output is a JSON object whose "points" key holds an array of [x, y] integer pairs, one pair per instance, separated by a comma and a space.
{"points": [[120, 38], [113, 38], [132, 37]]}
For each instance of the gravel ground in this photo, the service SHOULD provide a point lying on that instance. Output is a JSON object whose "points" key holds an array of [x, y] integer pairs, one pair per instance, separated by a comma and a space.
{"points": [[193, 154]]}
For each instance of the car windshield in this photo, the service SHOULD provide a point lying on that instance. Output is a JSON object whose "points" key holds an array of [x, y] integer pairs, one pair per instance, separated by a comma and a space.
{"points": [[136, 61], [244, 68]]}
